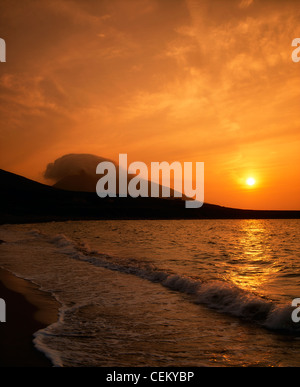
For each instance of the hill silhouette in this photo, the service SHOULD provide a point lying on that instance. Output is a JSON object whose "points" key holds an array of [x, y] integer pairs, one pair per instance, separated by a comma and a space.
{"points": [[26, 201], [82, 182], [77, 172]]}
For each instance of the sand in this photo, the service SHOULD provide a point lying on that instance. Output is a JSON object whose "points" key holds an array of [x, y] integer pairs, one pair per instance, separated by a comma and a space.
{"points": [[28, 309]]}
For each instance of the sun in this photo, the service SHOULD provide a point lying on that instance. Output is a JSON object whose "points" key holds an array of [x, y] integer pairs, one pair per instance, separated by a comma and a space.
{"points": [[250, 181]]}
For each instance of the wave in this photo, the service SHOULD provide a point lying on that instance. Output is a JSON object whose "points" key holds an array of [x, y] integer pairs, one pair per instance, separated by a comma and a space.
{"points": [[61, 329], [215, 294]]}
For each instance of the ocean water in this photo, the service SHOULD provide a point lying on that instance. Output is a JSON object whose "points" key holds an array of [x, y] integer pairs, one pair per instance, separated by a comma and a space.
{"points": [[164, 293]]}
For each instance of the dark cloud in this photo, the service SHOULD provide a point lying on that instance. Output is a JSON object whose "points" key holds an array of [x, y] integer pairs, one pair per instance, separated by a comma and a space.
{"points": [[73, 164]]}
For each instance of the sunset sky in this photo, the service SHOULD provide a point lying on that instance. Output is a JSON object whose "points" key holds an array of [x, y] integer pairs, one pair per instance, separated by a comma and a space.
{"points": [[160, 80]]}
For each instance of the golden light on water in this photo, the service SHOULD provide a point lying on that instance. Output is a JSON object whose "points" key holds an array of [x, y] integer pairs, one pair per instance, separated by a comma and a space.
{"points": [[255, 266]]}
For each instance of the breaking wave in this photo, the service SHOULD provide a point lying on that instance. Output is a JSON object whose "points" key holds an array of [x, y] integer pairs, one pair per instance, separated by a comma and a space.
{"points": [[218, 295]]}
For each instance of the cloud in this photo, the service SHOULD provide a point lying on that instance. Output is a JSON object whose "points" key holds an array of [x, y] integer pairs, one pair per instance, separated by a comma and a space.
{"points": [[156, 79], [245, 3], [73, 164]]}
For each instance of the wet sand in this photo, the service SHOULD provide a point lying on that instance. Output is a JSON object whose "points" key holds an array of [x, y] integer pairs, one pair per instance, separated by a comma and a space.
{"points": [[28, 309]]}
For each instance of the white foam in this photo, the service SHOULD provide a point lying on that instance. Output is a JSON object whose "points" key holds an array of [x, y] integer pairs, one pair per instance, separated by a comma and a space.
{"points": [[219, 295]]}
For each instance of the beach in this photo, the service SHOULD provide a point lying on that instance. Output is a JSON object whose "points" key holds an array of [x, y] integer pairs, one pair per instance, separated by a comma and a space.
{"points": [[152, 293], [28, 310]]}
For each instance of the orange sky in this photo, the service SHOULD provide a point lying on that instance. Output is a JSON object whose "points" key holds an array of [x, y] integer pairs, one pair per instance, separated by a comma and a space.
{"points": [[160, 80]]}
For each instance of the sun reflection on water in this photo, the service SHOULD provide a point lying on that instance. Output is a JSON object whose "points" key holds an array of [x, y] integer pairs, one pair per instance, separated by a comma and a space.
{"points": [[253, 266]]}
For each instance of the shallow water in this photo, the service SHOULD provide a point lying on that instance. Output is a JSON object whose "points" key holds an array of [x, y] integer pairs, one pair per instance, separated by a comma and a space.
{"points": [[164, 293]]}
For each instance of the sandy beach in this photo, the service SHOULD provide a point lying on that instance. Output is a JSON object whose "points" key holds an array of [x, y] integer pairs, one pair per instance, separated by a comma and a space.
{"points": [[28, 309]]}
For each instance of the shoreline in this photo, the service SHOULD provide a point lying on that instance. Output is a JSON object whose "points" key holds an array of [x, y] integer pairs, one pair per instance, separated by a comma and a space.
{"points": [[284, 215], [28, 309]]}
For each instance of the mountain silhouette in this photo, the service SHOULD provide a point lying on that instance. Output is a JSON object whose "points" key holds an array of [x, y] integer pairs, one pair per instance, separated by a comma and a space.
{"points": [[77, 172], [26, 201], [82, 182]]}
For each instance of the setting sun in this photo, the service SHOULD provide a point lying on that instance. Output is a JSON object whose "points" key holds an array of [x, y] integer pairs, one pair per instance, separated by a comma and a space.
{"points": [[148, 82], [251, 181]]}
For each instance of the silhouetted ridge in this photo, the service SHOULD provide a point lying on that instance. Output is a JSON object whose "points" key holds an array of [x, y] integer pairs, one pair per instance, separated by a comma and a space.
{"points": [[26, 201]]}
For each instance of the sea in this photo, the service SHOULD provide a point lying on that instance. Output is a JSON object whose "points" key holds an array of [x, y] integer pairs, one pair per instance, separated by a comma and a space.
{"points": [[164, 293]]}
